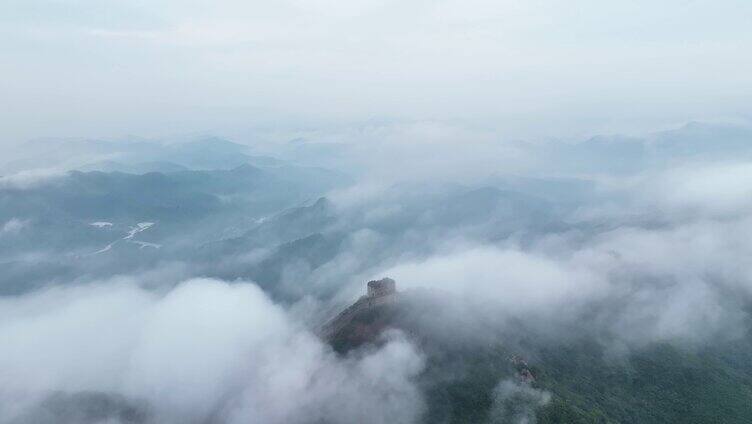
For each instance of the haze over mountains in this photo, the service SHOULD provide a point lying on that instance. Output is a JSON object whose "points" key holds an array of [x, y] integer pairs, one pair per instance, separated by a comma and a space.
{"points": [[593, 281], [376, 212]]}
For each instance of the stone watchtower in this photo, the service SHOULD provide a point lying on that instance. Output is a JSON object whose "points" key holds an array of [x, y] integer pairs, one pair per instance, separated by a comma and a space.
{"points": [[383, 287]]}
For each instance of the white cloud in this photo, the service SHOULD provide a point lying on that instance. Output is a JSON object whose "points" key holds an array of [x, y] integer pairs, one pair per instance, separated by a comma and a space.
{"points": [[516, 281], [205, 349], [29, 179], [709, 190], [685, 282], [13, 226]]}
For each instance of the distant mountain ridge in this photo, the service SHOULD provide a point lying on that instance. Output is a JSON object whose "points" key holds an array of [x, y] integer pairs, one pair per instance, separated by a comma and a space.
{"points": [[136, 156]]}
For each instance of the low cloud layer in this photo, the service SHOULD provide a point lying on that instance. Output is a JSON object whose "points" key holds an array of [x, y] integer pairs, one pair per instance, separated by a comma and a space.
{"points": [[654, 252], [669, 267], [203, 352]]}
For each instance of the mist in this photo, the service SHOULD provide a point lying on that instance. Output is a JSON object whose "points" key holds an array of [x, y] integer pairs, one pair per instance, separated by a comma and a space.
{"points": [[539, 69], [202, 352], [204, 301], [194, 202]]}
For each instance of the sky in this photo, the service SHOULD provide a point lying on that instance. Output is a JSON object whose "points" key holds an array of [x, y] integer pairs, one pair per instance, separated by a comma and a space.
{"points": [[521, 69]]}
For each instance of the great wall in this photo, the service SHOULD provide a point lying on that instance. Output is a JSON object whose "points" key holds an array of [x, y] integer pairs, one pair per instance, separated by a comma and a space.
{"points": [[379, 292]]}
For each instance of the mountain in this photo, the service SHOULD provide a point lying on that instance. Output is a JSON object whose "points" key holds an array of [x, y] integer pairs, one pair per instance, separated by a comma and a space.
{"points": [[133, 168], [86, 408], [108, 196], [658, 383], [285, 227], [96, 223], [621, 155], [133, 156]]}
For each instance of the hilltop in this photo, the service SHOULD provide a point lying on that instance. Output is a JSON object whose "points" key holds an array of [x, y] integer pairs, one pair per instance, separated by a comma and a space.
{"points": [[466, 367]]}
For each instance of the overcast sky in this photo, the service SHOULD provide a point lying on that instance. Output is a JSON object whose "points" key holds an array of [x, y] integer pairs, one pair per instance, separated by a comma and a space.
{"points": [[527, 68]]}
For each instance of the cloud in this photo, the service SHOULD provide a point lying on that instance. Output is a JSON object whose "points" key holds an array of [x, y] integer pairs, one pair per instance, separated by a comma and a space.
{"points": [[12, 226], [664, 262], [29, 179], [516, 281], [205, 350], [714, 190], [684, 283], [435, 151], [516, 402]]}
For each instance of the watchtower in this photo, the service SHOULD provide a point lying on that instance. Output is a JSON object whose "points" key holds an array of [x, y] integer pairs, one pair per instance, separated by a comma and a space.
{"points": [[383, 287]]}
